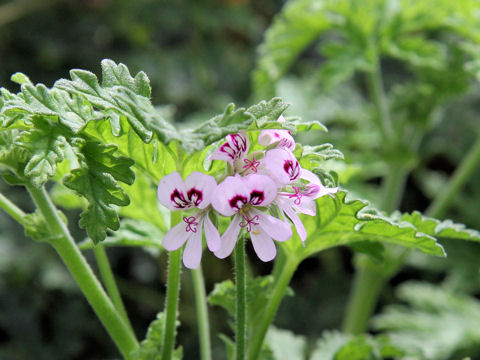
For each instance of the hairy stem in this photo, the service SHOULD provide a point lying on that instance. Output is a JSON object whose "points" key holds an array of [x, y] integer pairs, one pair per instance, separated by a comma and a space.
{"points": [[83, 274], [241, 299], [202, 314], [279, 288], [11, 209], [173, 293], [110, 283]]}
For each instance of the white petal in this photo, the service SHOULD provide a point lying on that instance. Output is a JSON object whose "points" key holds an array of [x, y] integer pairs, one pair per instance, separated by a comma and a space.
{"points": [[281, 137], [261, 189], [193, 251], [276, 228], [175, 237], [229, 238], [206, 184], [283, 166], [211, 234], [312, 178], [230, 195], [302, 233], [166, 187], [263, 245], [307, 206]]}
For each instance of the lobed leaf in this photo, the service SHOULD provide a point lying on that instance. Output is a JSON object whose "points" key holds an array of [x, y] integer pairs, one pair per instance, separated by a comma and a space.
{"points": [[96, 180], [344, 222], [437, 323]]}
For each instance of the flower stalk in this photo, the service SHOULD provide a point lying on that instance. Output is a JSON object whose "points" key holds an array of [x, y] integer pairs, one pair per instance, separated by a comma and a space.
{"points": [[241, 299], [202, 314], [64, 244]]}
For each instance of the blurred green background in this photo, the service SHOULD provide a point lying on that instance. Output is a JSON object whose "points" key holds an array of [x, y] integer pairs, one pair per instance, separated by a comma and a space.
{"points": [[199, 56]]}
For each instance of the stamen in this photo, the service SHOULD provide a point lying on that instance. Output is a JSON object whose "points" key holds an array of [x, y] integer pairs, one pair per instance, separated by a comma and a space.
{"points": [[297, 196], [191, 223], [249, 222], [251, 164]]}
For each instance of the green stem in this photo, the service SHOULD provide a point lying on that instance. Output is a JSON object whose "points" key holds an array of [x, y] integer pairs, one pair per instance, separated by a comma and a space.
{"points": [[83, 274], [368, 282], [202, 314], [462, 174], [379, 97], [173, 293], [11, 209], [393, 187], [278, 291], [241, 299], [110, 284]]}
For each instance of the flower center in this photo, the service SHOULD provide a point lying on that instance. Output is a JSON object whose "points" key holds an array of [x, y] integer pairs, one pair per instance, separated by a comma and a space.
{"points": [[250, 222], [297, 196], [237, 202], [179, 200], [191, 223]]}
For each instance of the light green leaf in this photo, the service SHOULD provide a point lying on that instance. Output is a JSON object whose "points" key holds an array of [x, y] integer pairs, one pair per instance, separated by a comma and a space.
{"points": [[339, 346], [444, 229], [298, 24], [285, 345], [437, 323]]}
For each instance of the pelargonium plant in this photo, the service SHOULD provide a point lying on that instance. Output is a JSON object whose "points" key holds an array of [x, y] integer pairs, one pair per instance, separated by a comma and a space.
{"points": [[240, 175]]}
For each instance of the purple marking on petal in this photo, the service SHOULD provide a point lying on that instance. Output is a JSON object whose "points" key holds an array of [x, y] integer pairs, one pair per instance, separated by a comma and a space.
{"points": [[235, 146], [256, 197], [178, 200], [195, 196], [292, 168], [237, 202]]}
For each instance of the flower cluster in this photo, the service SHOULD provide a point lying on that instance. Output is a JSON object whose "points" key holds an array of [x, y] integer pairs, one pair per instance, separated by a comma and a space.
{"points": [[256, 183]]}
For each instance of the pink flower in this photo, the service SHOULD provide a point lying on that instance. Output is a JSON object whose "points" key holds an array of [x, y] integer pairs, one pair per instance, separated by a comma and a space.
{"points": [[241, 197], [195, 192], [282, 138], [282, 166], [302, 199]]}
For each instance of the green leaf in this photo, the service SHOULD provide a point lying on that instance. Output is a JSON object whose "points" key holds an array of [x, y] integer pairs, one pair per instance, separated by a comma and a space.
{"points": [[96, 180], [123, 97], [151, 347], [339, 346], [36, 227], [45, 145], [444, 229], [285, 345], [298, 24], [20, 78], [133, 233], [343, 222], [437, 323], [258, 293]]}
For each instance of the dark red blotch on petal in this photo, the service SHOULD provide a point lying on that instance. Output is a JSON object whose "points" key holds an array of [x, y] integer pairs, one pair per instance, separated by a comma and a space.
{"points": [[256, 197], [237, 202]]}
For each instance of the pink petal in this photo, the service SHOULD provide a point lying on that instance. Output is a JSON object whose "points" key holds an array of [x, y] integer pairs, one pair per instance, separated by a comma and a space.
{"points": [[201, 184], [261, 189], [229, 238], [281, 137], [235, 147], [175, 237], [166, 188], [263, 245], [302, 233], [211, 234], [283, 166], [307, 206], [230, 195], [320, 189], [276, 228], [193, 251]]}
